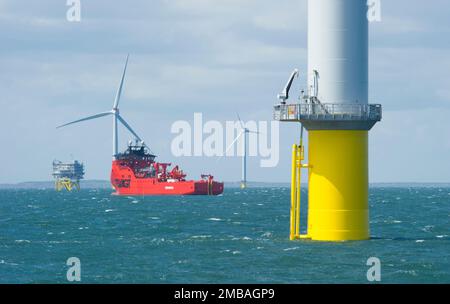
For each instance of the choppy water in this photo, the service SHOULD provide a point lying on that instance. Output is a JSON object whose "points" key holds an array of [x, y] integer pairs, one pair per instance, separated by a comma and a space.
{"points": [[238, 237]]}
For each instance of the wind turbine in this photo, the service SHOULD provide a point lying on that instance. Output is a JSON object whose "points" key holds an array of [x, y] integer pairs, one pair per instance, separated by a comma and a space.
{"points": [[244, 132], [116, 117]]}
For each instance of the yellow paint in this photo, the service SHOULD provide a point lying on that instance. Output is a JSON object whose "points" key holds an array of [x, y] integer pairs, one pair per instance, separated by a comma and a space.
{"points": [[293, 192], [298, 190], [66, 183], [297, 158], [338, 185]]}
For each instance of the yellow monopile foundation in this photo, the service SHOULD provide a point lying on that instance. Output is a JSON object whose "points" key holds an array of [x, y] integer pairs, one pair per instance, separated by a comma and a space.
{"points": [[338, 185]]}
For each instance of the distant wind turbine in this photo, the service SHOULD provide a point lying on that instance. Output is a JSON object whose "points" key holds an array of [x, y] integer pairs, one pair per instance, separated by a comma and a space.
{"points": [[116, 116], [244, 132]]}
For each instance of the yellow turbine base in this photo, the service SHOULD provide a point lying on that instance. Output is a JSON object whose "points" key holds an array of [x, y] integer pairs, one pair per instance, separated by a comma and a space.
{"points": [[338, 185]]}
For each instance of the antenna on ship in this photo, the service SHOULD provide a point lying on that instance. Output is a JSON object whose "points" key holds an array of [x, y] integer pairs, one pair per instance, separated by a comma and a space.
{"points": [[116, 116]]}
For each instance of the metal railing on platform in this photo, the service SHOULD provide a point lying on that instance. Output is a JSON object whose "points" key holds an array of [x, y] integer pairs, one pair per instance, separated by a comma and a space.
{"points": [[327, 111]]}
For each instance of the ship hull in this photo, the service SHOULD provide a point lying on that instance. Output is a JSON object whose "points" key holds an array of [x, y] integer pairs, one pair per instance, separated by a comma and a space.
{"points": [[125, 183]]}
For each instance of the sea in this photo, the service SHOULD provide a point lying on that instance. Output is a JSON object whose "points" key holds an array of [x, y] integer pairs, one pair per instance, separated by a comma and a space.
{"points": [[241, 236]]}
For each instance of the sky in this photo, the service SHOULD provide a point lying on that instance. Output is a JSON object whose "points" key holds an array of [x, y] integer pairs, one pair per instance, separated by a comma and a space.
{"points": [[216, 57]]}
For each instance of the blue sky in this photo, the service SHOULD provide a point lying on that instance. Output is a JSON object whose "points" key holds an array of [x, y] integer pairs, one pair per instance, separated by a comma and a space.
{"points": [[215, 57]]}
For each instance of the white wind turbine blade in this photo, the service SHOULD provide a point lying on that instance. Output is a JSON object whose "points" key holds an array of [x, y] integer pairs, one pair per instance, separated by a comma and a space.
{"points": [[86, 118], [119, 90], [128, 127], [234, 141], [240, 121], [231, 145]]}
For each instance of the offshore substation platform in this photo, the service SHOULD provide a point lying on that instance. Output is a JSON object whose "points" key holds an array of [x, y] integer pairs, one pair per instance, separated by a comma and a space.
{"points": [[67, 175]]}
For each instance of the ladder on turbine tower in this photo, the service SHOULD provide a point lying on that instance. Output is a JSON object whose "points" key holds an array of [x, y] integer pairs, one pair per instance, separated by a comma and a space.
{"points": [[298, 156]]}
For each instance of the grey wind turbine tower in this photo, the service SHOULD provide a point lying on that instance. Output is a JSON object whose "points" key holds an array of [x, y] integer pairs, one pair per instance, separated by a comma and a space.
{"points": [[244, 132], [116, 116]]}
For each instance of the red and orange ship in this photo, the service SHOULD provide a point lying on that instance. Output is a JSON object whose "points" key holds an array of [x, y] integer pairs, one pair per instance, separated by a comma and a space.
{"points": [[135, 172]]}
